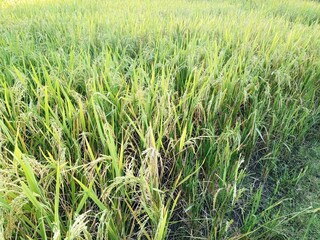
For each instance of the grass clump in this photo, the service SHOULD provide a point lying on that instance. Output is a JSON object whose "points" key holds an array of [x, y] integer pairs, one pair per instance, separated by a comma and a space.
{"points": [[151, 119], [299, 184]]}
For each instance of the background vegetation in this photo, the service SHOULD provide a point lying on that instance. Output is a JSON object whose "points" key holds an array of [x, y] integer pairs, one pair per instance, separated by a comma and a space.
{"points": [[158, 119]]}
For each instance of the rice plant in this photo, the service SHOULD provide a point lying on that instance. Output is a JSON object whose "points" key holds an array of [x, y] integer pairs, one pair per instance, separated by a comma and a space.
{"points": [[152, 119]]}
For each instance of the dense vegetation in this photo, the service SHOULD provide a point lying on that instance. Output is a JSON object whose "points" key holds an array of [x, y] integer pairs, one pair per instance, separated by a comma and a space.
{"points": [[153, 119]]}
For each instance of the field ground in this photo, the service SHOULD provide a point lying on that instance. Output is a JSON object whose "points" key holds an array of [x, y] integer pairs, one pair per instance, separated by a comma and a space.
{"points": [[305, 194], [159, 119]]}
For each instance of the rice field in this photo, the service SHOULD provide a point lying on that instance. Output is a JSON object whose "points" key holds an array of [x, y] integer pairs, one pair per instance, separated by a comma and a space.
{"points": [[149, 119]]}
